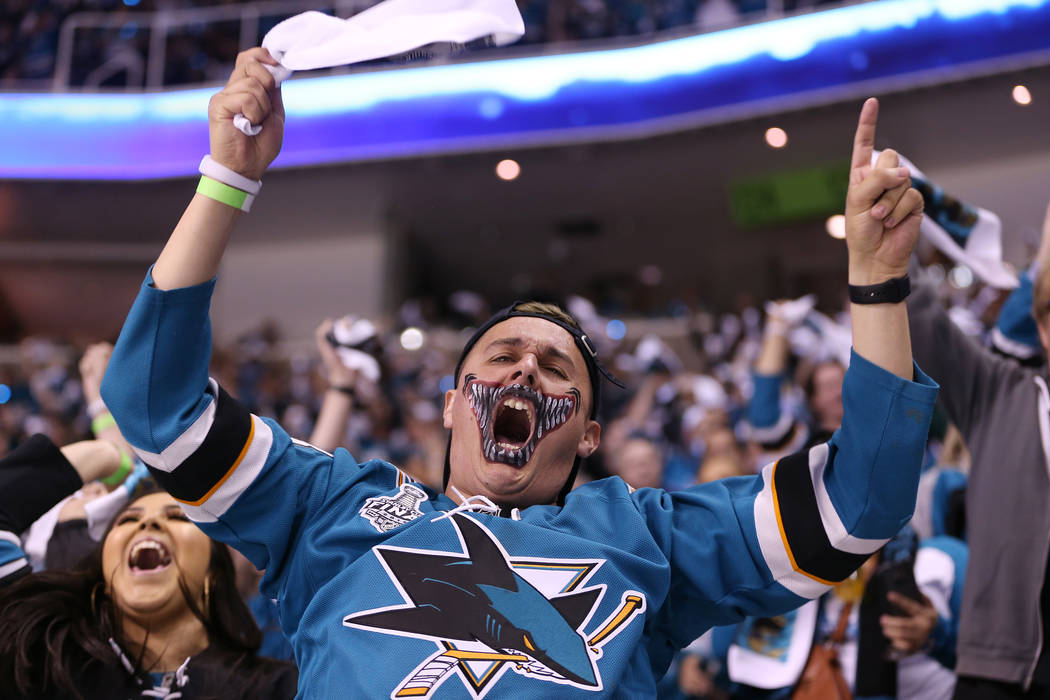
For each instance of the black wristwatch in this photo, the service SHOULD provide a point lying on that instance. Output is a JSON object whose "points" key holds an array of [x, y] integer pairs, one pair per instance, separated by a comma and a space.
{"points": [[888, 292]]}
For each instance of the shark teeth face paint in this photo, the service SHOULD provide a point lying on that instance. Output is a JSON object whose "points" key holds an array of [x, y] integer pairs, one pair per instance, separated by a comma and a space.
{"points": [[513, 418]]}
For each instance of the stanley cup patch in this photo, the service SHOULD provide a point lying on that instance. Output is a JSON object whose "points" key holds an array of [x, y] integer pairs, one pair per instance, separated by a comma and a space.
{"points": [[387, 512]]}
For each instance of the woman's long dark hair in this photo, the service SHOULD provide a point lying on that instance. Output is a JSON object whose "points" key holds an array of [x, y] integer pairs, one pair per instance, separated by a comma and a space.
{"points": [[55, 626]]}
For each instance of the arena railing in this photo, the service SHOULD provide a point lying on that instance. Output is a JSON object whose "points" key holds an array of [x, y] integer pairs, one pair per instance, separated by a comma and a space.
{"points": [[149, 72], [160, 24]]}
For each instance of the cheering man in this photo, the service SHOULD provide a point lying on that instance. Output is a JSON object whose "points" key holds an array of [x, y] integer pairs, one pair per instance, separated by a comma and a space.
{"points": [[507, 582]]}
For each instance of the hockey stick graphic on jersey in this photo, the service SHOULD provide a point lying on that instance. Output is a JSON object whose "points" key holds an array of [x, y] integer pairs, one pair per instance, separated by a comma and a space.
{"points": [[430, 675], [630, 605]]}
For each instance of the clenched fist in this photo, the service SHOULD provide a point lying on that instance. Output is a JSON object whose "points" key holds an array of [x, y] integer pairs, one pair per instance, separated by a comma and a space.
{"points": [[253, 92]]}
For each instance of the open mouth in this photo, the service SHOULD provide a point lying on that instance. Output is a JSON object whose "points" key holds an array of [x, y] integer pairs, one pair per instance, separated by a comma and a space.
{"points": [[514, 418], [148, 556]]}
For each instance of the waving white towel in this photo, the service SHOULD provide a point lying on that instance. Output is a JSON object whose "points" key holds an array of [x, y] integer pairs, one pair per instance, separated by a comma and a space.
{"points": [[967, 234], [316, 40]]}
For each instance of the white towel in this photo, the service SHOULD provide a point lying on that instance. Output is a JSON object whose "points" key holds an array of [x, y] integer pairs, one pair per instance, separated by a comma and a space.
{"points": [[316, 40], [982, 252]]}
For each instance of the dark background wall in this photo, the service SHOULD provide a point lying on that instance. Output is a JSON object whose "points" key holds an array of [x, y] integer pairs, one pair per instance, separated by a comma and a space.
{"points": [[363, 237]]}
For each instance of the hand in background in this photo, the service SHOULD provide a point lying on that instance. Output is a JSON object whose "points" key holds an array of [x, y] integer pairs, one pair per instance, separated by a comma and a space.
{"points": [[908, 633], [74, 507], [339, 375], [92, 368], [694, 681]]}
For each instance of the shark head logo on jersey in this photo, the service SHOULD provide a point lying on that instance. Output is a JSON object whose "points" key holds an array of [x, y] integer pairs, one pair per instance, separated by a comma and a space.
{"points": [[488, 613]]}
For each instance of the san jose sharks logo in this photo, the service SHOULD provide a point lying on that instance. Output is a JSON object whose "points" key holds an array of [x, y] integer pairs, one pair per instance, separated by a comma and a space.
{"points": [[488, 613]]}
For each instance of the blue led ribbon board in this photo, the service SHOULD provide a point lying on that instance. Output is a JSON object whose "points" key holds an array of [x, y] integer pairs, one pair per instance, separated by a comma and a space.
{"points": [[599, 94]]}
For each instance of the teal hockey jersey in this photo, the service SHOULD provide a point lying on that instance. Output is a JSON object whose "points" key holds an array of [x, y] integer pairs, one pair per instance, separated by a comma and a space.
{"points": [[388, 589]]}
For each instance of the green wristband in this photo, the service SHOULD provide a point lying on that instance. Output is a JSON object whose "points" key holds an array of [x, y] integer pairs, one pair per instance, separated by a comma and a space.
{"points": [[221, 192], [122, 471], [102, 422]]}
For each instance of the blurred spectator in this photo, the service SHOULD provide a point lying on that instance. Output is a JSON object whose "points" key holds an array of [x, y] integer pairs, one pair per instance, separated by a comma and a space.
{"points": [[639, 462], [888, 643], [688, 405], [104, 627], [1000, 407]]}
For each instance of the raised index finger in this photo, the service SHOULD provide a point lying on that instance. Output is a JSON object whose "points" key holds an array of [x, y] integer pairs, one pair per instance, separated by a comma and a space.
{"points": [[864, 139]]}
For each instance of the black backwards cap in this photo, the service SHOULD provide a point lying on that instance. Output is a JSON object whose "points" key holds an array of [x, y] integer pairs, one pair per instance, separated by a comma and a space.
{"points": [[595, 371]]}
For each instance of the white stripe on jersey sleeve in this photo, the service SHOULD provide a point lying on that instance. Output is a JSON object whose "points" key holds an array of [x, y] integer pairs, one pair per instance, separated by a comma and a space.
{"points": [[239, 480], [774, 549], [186, 444], [838, 536]]}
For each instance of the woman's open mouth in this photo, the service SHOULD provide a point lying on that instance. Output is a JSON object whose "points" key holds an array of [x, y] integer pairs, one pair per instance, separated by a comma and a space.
{"points": [[514, 418], [148, 556]]}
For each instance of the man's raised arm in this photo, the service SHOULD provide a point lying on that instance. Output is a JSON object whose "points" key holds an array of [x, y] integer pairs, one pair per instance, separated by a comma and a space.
{"points": [[883, 213], [193, 252], [200, 444], [812, 518]]}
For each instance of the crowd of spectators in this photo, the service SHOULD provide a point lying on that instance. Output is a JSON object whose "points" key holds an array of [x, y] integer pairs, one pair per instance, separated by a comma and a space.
{"points": [[688, 373], [686, 417], [707, 396], [199, 51]]}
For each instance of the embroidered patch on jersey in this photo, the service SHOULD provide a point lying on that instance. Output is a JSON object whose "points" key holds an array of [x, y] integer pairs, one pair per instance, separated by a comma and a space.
{"points": [[387, 512], [488, 613]]}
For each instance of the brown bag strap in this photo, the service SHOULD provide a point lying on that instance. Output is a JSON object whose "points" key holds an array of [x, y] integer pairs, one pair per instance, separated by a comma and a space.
{"points": [[839, 635]]}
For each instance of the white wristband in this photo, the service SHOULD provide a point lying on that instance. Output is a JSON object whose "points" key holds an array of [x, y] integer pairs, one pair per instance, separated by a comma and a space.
{"points": [[219, 172]]}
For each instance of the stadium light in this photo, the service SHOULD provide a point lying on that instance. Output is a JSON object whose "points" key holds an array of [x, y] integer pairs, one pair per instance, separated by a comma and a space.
{"points": [[508, 169], [776, 137], [1022, 95]]}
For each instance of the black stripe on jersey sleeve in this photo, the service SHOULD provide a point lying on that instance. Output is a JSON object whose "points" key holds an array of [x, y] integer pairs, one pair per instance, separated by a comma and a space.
{"points": [[800, 519], [211, 462]]}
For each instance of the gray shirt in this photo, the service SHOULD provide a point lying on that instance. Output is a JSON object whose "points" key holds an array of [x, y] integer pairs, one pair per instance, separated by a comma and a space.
{"points": [[994, 402]]}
